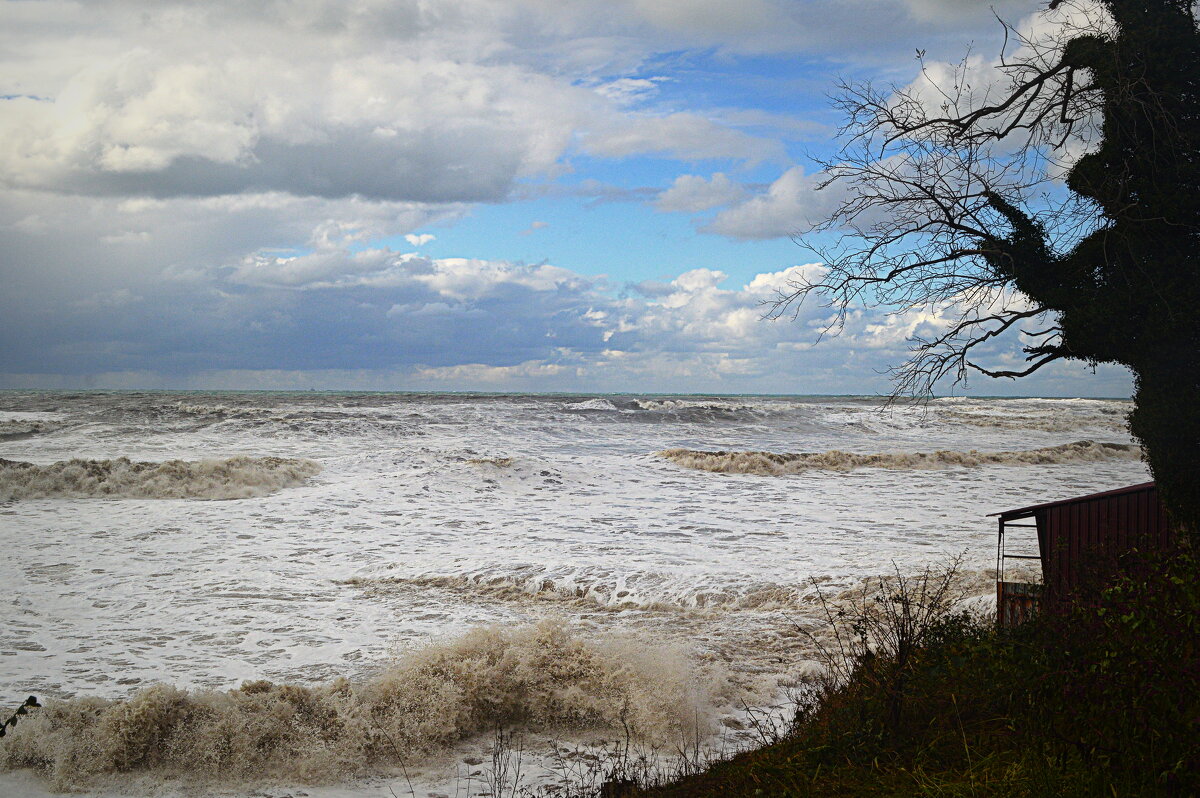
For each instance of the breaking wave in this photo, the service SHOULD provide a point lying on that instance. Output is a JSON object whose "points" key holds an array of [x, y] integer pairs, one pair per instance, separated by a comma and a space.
{"points": [[637, 591], [235, 478], [219, 410], [539, 676], [773, 464], [597, 405], [668, 410], [16, 429], [607, 593], [698, 411]]}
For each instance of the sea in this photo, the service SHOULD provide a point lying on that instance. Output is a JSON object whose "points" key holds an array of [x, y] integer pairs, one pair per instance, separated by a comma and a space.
{"points": [[428, 571]]}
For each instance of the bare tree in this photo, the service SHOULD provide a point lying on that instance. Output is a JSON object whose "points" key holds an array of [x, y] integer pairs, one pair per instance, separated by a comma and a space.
{"points": [[1054, 196]]}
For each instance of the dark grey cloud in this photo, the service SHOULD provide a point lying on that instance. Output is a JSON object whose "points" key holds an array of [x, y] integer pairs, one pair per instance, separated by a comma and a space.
{"points": [[430, 166]]}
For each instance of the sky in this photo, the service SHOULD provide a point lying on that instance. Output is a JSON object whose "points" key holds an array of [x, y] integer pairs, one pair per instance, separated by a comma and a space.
{"points": [[441, 195]]}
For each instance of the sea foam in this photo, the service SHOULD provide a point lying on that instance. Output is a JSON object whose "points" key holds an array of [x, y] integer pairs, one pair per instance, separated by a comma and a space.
{"points": [[773, 464], [234, 478]]}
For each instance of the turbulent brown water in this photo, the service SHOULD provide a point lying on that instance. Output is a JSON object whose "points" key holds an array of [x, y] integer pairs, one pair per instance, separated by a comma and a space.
{"points": [[393, 574], [492, 678]]}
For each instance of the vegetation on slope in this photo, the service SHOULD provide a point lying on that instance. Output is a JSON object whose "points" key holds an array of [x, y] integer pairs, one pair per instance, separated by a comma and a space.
{"points": [[1102, 698]]}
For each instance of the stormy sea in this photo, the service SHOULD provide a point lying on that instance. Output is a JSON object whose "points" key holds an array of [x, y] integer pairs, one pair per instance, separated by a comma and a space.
{"points": [[350, 593]]}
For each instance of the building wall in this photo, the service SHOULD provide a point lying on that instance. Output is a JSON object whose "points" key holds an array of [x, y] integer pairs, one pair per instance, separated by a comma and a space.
{"points": [[1086, 539]]}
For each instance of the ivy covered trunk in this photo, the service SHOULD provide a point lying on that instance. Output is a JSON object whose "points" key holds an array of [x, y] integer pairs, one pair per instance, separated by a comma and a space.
{"points": [[1167, 420]]}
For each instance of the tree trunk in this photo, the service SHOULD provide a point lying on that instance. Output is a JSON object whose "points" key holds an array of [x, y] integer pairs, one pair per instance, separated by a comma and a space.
{"points": [[1166, 418]]}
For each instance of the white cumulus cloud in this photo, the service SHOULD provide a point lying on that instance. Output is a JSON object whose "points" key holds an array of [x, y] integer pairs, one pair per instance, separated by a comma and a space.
{"points": [[789, 205], [693, 193]]}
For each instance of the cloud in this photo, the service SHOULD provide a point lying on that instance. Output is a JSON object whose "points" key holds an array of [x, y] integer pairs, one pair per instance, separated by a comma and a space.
{"points": [[476, 373], [795, 203], [693, 193], [774, 26], [776, 125], [402, 129], [534, 226], [324, 268], [683, 135], [203, 302], [955, 11], [108, 299], [419, 240], [341, 306], [694, 313], [63, 283], [346, 317], [446, 102], [789, 205], [630, 91]]}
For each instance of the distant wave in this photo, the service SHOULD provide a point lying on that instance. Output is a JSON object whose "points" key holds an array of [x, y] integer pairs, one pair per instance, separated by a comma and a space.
{"points": [[1043, 422], [591, 406], [772, 464], [658, 411], [702, 411], [289, 420], [12, 429], [224, 411], [235, 478], [539, 676]]}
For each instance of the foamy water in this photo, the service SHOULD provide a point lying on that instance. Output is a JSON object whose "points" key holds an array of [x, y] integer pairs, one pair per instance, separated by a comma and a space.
{"points": [[362, 533]]}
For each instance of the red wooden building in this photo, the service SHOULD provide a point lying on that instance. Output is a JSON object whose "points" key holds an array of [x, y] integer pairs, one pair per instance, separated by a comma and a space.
{"points": [[1077, 539]]}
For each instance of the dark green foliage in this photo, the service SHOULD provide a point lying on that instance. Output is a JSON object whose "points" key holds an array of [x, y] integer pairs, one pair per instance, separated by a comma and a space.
{"points": [[1102, 699], [1120, 676]]}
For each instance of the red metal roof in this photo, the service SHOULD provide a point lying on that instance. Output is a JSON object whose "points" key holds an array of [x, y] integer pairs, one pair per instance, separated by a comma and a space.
{"points": [[1025, 512]]}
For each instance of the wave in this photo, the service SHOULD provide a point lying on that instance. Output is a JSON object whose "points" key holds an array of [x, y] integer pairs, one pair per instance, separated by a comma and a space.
{"points": [[655, 411], [599, 592], [636, 591], [539, 676], [698, 411], [772, 464], [235, 478], [222, 411], [1046, 422], [291, 420], [16, 429], [591, 406], [1045, 415]]}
